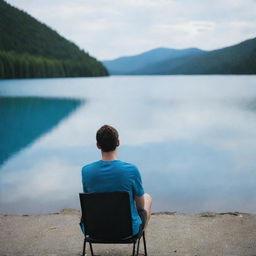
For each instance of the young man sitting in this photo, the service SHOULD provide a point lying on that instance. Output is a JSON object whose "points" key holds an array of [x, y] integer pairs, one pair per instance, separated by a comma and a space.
{"points": [[110, 175]]}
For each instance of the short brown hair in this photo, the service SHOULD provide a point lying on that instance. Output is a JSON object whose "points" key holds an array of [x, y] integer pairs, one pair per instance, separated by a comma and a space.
{"points": [[107, 138]]}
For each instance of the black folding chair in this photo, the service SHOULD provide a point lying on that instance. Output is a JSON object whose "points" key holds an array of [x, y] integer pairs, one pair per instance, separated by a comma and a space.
{"points": [[107, 220]]}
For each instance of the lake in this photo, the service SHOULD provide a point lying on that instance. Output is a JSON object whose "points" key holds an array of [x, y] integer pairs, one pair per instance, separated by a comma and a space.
{"points": [[192, 137]]}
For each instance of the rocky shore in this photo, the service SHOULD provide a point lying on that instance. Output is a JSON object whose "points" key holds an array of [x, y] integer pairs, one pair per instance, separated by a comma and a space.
{"points": [[169, 233]]}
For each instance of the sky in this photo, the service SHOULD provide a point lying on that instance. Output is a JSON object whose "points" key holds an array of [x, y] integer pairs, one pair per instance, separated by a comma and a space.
{"points": [[108, 29]]}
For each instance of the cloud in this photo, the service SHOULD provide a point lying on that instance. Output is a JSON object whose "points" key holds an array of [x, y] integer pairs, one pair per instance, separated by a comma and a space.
{"points": [[108, 28]]}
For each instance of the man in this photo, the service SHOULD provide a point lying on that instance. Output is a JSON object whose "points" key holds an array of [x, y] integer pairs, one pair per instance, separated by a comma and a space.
{"points": [[110, 175]]}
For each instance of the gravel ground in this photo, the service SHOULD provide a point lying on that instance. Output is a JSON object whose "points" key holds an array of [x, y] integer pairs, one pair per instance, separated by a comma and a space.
{"points": [[209, 234]]}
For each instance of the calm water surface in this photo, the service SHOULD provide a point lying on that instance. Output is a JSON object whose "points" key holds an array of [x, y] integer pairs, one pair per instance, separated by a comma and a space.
{"points": [[192, 137]]}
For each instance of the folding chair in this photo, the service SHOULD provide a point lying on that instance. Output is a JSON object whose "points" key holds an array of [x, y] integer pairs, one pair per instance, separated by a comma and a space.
{"points": [[107, 219]]}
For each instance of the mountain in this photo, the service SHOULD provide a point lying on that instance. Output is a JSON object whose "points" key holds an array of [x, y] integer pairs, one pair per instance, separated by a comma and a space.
{"points": [[130, 64], [236, 59], [29, 48]]}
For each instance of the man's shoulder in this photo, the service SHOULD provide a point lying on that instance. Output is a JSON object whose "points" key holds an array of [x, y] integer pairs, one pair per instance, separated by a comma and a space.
{"points": [[90, 165], [118, 163], [128, 166]]}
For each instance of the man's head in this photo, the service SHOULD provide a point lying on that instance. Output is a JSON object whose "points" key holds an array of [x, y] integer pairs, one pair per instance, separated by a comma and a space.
{"points": [[107, 138]]}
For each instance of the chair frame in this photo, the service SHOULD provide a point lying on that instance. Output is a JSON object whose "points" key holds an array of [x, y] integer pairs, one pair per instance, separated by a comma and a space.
{"points": [[135, 240]]}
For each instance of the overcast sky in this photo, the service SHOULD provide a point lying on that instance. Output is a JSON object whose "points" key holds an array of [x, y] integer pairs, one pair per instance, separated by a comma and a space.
{"points": [[111, 28]]}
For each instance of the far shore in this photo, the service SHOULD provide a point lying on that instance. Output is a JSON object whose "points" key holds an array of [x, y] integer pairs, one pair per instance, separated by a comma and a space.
{"points": [[169, 233]]}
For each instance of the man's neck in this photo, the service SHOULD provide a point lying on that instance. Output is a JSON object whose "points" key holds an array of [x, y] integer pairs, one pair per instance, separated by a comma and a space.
{"points": [[109, 156]]}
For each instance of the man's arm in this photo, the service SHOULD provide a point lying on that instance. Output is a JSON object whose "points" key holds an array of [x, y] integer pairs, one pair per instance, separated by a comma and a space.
{"points": [[83, 181], [140, 202]]}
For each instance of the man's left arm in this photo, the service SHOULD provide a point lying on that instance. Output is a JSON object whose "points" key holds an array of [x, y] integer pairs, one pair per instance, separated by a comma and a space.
{"points": [[138, 189]]}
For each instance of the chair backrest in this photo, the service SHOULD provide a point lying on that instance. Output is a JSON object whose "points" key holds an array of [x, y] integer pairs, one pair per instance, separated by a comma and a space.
{"points": [[106, 216]]}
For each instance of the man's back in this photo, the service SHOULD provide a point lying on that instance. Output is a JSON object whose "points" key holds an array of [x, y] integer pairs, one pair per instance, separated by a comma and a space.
{"points": [[111, 176]]}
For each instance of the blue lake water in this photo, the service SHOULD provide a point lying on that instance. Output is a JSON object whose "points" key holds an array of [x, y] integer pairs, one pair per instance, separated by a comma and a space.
{"points": [[192, 137]]}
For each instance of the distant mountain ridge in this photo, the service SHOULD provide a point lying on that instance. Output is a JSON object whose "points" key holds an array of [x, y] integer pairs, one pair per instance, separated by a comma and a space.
{"points": [[29, 48], [236, 59], [130, 64]]}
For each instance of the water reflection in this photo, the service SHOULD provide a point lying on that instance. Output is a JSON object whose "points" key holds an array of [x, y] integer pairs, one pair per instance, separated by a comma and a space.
{"points": [[191, 137], [24, 119]]}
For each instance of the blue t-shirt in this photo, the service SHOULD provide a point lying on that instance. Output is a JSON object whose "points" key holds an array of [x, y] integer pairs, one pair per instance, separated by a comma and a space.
{"points": [[112, 176]]}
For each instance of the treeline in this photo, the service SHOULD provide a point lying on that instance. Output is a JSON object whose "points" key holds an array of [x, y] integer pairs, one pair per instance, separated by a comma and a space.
{"points": [[30, 49], [13, 65]]}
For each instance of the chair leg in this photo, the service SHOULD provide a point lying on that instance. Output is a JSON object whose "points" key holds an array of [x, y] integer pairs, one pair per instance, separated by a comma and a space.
{"points": [[91, 249], [138, 247], [145, 246], [133, 250], [84, 248]]}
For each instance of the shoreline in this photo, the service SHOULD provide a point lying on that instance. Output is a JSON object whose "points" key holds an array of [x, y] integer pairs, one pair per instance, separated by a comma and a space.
{"points": [[168, 233], [201, 214]]}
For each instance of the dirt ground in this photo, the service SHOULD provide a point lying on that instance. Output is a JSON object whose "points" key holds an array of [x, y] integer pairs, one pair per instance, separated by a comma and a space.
{"points": [[209, 234]]}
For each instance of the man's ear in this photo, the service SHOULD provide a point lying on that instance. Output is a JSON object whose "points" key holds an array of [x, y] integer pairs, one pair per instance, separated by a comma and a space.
{"points": [[117, 143], [98, 146]]}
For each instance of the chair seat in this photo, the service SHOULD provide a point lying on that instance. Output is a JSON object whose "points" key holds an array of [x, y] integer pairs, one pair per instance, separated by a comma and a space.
{"points": [[127, 240]]}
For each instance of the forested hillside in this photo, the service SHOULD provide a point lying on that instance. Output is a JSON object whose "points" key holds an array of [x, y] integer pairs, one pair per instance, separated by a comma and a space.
{"points": [[29, 48]]}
